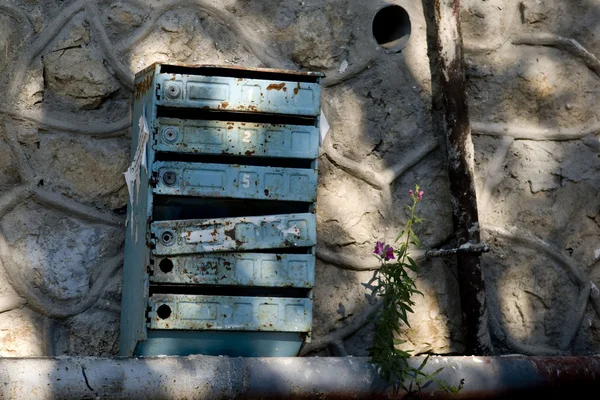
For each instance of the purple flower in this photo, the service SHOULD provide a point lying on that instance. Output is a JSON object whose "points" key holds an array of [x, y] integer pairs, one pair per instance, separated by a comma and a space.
{"points": [[379, 248], [389, 253], [412, 194], [420, 195]]}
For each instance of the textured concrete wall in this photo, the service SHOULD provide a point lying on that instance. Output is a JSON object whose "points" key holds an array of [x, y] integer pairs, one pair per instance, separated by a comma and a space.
{"points": [[66, 75], [533, 85]]}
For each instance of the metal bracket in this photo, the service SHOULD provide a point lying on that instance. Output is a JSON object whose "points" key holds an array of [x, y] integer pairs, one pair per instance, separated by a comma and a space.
{"points": [[465, 248]]}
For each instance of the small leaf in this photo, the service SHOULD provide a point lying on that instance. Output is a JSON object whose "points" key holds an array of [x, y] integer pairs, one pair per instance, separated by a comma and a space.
{"points": [[413, 265], [416, 240], [423, 363], [399, 236]]}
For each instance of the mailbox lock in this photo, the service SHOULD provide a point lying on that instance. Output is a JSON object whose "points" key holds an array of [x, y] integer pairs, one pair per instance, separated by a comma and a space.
{"points": [[163, 312], [169, 134], [172, 90], [166, 265], [167, 238], [169, 178]]}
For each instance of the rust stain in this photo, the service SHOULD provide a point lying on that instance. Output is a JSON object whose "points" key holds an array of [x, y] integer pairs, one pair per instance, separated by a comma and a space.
{"points": [[266, 192], [224, 104], [230, 233], [249, 152], [276, 86], [143, 86]]}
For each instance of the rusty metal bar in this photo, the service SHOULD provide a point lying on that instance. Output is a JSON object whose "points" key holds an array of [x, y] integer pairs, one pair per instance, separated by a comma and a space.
{"points": [[204, 377], [465, 248], [460, 172]]}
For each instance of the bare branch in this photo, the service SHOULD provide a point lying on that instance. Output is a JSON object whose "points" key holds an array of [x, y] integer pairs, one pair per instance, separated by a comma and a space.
{"points": [[570, 45], [123, 74], [339, 335], [52, 307], [74, 208], [352, 167], [45, 37], [92, 128], [13, 198], [534, 132]]}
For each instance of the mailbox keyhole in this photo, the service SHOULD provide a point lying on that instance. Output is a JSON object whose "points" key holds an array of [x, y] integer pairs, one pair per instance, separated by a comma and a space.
{"points": [[169, 178], [167, 238], [163, 311], [166, 265], [169, 134], [173, 90]]}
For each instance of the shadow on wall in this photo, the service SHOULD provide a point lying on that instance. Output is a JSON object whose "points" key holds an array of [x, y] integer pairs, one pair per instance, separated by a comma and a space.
{"points": [[383, 141], [380, 122]]}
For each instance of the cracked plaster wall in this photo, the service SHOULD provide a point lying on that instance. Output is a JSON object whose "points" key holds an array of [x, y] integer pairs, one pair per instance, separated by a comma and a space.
{"points": [[67, 69]]}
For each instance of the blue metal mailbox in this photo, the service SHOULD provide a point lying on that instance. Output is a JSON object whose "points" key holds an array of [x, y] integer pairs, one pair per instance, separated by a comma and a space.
{"points": [[221, 230]]}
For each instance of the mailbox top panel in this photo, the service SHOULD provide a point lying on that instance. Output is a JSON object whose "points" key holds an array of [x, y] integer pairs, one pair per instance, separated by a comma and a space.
{"points": [[290, 97], [227, 70]]}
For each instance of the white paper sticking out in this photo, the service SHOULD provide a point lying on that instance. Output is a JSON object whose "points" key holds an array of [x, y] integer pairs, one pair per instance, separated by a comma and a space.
{"points": [[132, 175], [323, 128], [343, 67]]}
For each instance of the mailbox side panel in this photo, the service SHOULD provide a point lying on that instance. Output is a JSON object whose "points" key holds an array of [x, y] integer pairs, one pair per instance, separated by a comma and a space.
{"points": [[137, 248]]}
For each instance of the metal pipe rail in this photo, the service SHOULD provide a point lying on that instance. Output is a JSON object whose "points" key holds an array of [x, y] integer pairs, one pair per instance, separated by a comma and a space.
{"points": [[204, 377]]}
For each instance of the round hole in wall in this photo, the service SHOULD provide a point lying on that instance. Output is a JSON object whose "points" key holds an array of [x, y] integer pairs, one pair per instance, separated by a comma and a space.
{"points": [[391, 28], [166, 265], [163, 312]]}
